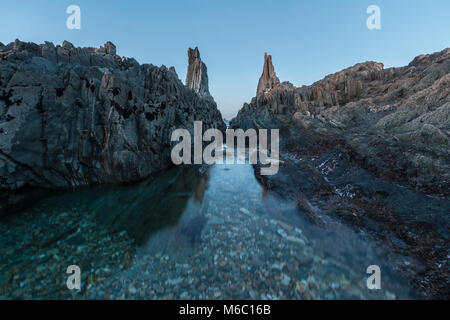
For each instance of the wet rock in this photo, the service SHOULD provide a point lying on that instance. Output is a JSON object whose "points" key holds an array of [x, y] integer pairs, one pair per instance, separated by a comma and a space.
{"points": [[295, 240], [244, 211], [285, 280], [216, 220], [174, 282], [285, 226], [282, 233], [132, 290], [390, 295]]}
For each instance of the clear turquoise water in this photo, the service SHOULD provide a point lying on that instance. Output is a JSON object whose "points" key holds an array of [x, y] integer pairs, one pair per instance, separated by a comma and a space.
{"points": [[185, 235]]}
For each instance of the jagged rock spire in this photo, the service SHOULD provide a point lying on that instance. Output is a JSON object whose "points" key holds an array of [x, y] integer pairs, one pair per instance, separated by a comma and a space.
{"points": [[268, 78], [197, 75]]}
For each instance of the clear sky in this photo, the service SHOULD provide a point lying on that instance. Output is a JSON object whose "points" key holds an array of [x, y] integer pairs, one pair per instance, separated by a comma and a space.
{"points": [[308, 39]]}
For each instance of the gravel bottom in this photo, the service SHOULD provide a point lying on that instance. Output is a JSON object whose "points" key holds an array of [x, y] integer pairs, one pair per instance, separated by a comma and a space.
{"points": [[226, 244]]}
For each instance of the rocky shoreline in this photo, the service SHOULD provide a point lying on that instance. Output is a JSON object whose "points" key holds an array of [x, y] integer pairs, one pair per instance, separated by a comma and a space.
{"points": [[207, 235], [365, 151], [369, 146], [395, 122], [72, 117]]}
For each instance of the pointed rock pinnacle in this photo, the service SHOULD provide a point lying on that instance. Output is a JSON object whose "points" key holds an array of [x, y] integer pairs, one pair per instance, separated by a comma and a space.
{"points": [[197, 75], [268, 78]]}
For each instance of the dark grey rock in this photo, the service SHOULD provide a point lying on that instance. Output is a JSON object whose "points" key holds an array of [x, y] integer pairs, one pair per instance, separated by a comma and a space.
{"points": [[80, 116], [394, 122], [368, 146]]}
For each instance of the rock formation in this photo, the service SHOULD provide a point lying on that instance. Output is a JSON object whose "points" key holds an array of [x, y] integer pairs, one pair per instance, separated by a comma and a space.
{"points": [[79, 116], [268, 78], [395, 120], [197, 75], [369, 146]]}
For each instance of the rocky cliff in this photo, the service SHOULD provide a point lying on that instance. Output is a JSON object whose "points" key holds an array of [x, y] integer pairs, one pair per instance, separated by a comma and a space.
{"points": [[395, 121], [79, 116], [369, 146]]}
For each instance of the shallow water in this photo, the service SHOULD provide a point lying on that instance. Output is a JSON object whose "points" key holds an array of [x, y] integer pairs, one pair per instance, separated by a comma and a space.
{"points": [[186, 235]]}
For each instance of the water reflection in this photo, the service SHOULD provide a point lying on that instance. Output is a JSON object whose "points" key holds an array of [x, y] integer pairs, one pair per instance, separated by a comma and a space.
{"points": [[197, 233], [143, 210], [231, 230]]}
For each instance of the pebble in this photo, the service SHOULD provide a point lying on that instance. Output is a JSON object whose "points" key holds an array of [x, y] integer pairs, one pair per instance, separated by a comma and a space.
{"points": [[244, 211], [282, 233], [296, 240], [216, 220], [390, 296], [184, 295], [285, 280], [232, 256], [285, 226]]}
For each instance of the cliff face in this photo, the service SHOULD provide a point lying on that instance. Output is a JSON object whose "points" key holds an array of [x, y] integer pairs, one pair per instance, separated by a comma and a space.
{"points": [[80, 116], [395, 121], [197, 74], [370, 147]]}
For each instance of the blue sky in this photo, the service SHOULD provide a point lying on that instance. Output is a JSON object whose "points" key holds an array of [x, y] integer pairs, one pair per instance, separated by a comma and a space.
{"points": [[308, 39]]}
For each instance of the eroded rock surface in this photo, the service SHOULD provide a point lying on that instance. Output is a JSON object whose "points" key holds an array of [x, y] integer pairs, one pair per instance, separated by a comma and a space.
{"points": [[268, 78], [74, 116], [395, 121], [370, 147], [197, 74]]}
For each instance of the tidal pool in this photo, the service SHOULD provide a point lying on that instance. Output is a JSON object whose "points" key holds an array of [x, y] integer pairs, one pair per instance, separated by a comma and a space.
{"points": [[192, 233]]}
